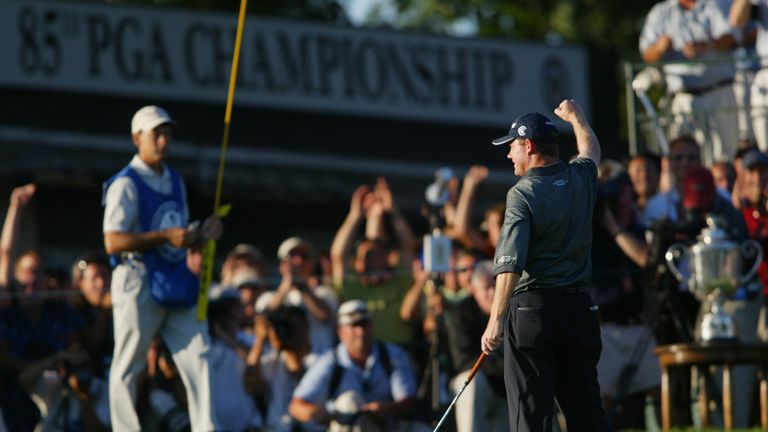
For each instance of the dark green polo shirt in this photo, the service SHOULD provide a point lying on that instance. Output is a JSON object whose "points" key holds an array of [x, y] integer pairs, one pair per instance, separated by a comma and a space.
{"points": [[547, 230]]}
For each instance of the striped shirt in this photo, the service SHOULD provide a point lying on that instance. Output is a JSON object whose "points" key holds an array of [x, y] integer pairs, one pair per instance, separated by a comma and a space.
{"points": [[547, 230]]}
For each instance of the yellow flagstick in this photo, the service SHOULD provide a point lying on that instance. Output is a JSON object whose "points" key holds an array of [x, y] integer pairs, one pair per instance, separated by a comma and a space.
{"points": [[209, 251]]}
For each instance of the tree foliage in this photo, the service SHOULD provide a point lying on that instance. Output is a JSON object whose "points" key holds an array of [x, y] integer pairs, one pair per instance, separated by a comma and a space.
{"points": [[608, 24]]}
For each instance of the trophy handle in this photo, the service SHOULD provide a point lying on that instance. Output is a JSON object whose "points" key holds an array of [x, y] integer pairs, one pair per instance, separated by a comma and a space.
{"points": [[675, 253], [751, 247]]}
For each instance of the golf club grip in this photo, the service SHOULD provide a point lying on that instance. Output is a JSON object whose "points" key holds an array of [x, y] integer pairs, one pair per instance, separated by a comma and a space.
{"points": [[476, 367]]}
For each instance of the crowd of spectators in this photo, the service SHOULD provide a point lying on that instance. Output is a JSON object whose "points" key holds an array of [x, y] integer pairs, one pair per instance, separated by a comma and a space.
{"points": [[290, 351]]}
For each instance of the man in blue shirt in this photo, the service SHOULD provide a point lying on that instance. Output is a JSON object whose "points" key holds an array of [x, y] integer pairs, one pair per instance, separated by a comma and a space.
{"points": [[362, 381]]}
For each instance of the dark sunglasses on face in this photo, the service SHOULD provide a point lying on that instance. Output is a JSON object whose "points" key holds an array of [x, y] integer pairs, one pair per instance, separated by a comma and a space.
{"points": [[299, 253], [361, 323]]}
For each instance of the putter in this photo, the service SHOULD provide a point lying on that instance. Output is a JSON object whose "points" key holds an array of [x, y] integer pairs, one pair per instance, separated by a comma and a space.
{"points": [[471, 375]]}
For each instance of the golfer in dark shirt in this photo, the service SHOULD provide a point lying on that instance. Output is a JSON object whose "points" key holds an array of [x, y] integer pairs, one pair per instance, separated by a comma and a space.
{"points": [[541, 308]]}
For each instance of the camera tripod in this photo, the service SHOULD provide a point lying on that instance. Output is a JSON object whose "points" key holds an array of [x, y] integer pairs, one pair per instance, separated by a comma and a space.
{"points": [[658, 298], [437, 253]]}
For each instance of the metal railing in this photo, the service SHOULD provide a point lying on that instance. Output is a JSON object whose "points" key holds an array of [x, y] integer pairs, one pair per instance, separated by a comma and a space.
{"points": [[652, 120]]}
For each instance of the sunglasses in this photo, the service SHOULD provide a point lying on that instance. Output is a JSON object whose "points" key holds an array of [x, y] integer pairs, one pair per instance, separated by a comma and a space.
{"points": [[360, 323], [463, 269], [299, 253]]}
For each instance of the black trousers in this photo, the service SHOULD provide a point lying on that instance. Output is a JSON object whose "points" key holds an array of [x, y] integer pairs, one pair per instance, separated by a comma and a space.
{"points": [[551, 349]]}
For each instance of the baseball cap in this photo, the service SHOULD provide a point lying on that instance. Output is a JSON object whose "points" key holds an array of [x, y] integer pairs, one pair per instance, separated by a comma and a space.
{"points": [[353, 311], [290, 244], [245, 249], [148, 118], [245, 277], [698, 189], [533, 126], [754, 158], [221, 292]]}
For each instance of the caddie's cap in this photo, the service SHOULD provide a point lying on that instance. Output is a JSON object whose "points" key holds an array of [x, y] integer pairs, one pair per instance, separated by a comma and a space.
{"points": [[753, 159], [533, 126], [289, 244], [352, 312], [698, 189], [148, 118]]}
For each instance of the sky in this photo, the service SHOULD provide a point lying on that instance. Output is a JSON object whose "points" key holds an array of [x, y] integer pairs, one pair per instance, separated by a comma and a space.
{"points": [[357, 10]]}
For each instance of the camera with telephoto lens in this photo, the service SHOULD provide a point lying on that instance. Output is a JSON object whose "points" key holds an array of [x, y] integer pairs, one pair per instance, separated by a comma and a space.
{"points": [[286, 322], [81, 371]]}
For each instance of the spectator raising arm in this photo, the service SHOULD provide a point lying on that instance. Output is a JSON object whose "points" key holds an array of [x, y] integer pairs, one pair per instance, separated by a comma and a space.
{"points": [[292, 279], [462, 227], [20, 197], [402, 230], [409, 309], [342, 242]]}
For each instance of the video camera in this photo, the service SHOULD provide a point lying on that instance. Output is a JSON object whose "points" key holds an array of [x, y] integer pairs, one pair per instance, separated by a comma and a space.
{"points": [[437, 247]]}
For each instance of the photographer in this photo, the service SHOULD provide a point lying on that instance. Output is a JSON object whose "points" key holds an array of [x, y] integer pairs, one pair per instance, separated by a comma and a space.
{"points": [[161, 399], [232, 399], [362, 381], [276, 374], [300, 287], [63, 385]]}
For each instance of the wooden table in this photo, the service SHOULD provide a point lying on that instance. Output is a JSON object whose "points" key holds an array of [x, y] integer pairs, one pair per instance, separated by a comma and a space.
{"points": [[725, 354]]}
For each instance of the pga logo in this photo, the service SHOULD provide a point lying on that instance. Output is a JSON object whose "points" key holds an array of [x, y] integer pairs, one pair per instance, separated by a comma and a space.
{"points": [[522, 130]]}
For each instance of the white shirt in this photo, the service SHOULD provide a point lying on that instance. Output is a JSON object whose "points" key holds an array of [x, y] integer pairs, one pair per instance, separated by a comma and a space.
{"points": [[704, 23], [121, 212]]}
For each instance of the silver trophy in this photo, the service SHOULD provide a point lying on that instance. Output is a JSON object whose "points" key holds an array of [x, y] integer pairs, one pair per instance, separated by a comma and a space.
{"points": [[714, 274]]}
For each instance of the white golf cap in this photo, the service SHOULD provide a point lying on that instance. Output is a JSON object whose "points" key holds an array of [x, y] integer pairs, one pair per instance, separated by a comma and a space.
{"points": [[245, 249], [353, 311], [245, 277], [290, 244], [221, 292], [148, 118]]}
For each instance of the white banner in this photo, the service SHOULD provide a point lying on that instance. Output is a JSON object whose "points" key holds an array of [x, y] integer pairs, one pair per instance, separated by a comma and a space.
{"points": [[171, 54]]}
